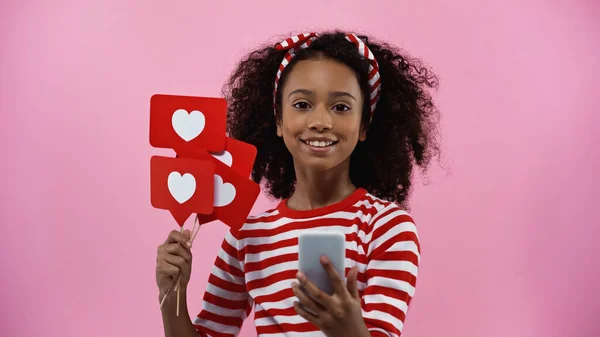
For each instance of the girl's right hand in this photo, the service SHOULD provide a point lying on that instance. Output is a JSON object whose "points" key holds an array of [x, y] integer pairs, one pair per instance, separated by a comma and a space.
{"points": [[174, 257]]}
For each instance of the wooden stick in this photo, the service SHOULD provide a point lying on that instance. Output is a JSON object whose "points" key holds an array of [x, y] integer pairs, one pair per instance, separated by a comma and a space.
{"points": [[165, 295], [193, 234], [178, 283], [195, 230]]}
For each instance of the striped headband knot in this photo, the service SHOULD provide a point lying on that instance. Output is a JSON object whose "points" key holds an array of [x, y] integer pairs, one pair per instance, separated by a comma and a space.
{"points": [[302, 41]]}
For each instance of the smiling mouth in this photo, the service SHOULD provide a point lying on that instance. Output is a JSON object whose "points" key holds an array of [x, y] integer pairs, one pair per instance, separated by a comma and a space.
{"points": [[319, 143]]}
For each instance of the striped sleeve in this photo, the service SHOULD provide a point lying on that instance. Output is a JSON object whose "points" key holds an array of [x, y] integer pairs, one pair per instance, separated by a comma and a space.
{"points": [[393, 255], [226, 303]]}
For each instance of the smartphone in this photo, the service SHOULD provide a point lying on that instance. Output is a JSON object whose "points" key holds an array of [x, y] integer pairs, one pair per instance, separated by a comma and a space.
{"points": [[314, 244]]}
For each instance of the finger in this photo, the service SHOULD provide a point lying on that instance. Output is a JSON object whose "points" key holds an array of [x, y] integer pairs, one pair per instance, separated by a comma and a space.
{"points": [[313, 292], [177, 236], [175, 267], [336, 281], [165, 268], [305, 314], [176, 261], [352, 283], [179, 250], [187, 234], [314, 306]]}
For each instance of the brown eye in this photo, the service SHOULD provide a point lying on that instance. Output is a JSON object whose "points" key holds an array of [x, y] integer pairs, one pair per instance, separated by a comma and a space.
{"points": [[341, 107], [301, 105]]}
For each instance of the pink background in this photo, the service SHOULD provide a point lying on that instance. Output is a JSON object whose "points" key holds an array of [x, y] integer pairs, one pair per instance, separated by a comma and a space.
{"points": [[508, 226]]}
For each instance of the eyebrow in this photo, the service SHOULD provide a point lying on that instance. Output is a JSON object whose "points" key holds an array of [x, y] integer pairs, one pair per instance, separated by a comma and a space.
{"points": [[331, 94]]}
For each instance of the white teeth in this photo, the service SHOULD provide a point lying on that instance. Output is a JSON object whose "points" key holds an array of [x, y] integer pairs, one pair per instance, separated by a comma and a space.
{"points": [[317, 143]]}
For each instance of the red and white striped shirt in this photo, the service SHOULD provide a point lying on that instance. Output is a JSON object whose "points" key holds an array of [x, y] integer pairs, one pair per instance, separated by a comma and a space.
{"points": [[257, 264]]}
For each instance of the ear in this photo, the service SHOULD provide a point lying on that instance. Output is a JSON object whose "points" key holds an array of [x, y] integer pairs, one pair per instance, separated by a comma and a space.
{"points": [[279, 129], [362, 136]]}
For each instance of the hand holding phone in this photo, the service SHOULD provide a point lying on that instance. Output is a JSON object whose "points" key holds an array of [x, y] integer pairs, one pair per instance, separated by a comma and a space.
{"points": [[336, 313]]}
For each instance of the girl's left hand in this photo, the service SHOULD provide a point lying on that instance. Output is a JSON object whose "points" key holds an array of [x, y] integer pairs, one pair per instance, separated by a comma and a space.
{"points": [[336, 315]]}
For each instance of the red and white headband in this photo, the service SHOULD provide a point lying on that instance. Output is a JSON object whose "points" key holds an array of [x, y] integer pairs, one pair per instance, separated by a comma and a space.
{"points": [[302, 41]]}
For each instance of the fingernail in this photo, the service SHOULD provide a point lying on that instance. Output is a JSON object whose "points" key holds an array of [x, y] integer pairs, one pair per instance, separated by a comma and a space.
{"points": [[299, 276], [189, 244]]}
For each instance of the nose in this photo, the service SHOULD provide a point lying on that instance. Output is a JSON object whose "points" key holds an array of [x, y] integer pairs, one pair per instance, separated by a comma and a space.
{"points": [[319, 119]]}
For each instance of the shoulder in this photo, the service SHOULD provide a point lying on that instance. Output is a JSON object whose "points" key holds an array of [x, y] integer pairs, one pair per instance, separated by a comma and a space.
{"points": [[383, 211], [267, 215], [389, 223], [262, 220]]}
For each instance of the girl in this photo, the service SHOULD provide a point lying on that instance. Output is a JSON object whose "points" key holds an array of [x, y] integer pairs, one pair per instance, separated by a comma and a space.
{"points": [[339, 122]]}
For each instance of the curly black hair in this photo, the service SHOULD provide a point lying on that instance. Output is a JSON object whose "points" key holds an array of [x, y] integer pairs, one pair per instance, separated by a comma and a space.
{"points": [[403, 131]]}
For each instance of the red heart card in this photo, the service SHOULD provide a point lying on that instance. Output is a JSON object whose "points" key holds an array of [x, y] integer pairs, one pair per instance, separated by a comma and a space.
{"points": [[234, 197], [238, 155], [181, 185], [188, 124]]}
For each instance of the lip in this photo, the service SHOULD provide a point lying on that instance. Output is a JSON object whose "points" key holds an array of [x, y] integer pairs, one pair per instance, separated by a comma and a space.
{"points": [[318, 139], [318, 149]]}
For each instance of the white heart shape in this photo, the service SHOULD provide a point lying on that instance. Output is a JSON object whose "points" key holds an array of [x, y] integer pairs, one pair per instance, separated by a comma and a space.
{"points": [[224, 193], [225, 157], [188, 125], [182, 188]]}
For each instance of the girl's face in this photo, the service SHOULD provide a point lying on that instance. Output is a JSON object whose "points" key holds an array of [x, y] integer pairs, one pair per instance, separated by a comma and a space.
{"points": [[321, 113]]}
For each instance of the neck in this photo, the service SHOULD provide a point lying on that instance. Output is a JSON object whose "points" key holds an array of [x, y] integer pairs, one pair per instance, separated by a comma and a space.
{"points": [[315, 189]]}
